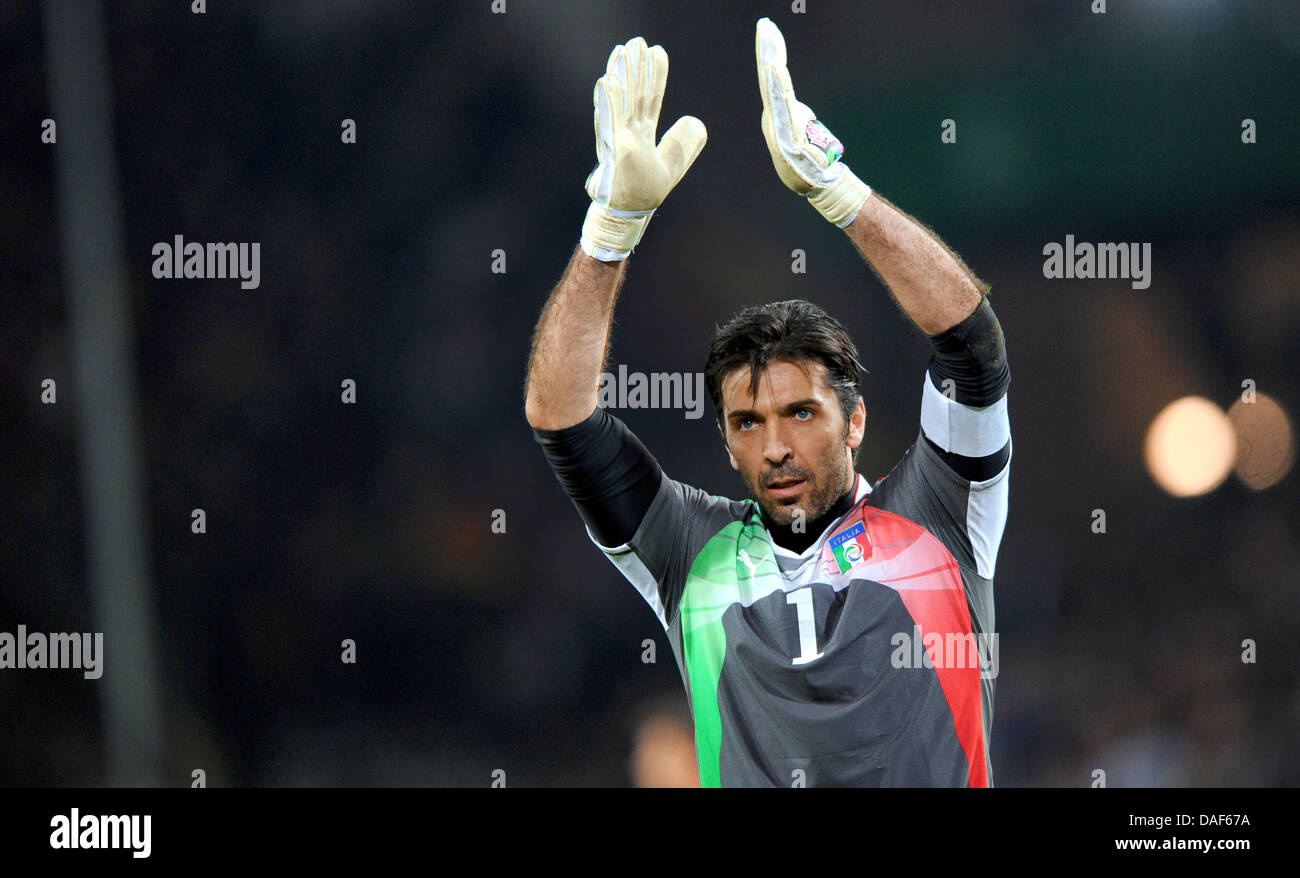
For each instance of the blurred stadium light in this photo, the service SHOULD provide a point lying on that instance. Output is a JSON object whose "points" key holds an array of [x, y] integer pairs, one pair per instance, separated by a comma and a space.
{"points": [[1190, 447]]}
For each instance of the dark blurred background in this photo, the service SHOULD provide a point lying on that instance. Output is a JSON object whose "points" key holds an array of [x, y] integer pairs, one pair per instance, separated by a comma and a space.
{"points": [[523, 651]]}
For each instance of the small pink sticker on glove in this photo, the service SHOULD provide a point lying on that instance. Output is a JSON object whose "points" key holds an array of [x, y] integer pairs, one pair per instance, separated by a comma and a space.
{"points": [[820, 136]]}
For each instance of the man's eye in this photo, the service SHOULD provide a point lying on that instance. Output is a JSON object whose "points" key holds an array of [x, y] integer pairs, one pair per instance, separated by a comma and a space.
{"points": [[744, 423], [807, 412]]}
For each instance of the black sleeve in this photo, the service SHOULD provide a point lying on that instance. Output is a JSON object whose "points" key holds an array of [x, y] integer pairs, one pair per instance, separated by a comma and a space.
{"points": [[607, 473], [972, 356]]}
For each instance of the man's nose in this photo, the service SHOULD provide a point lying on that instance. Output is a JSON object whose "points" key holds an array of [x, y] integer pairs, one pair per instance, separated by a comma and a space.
{"points": [[775, 447]]}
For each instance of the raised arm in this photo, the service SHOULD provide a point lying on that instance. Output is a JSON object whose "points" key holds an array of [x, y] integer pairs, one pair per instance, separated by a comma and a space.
{"points": [[927, 279], [935, 289], [631, 179], [963, 411], [571, 342]]}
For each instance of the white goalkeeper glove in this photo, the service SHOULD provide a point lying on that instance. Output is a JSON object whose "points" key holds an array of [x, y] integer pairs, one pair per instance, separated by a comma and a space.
{"points": [[806, 154], [633, 176]]}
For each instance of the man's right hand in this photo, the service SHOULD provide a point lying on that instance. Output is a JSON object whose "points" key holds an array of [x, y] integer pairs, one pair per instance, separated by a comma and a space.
{"points": [[633, 176]]}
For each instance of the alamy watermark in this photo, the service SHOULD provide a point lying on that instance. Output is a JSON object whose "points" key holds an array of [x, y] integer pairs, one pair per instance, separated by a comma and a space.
{"points": [[57, 651], [953, 649], [1086, 261], [214, 260], [654, 390], [77, 831]]}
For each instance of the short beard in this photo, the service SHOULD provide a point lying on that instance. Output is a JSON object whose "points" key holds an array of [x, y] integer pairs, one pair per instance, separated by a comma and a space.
{"points": [[834, 477]]}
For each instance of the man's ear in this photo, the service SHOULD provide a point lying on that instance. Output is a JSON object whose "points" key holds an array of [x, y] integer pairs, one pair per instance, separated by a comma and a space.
{"points": [[734, 465], [857, 425]]}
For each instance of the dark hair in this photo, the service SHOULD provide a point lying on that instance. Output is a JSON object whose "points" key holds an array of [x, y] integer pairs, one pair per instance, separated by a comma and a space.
{"points": [[794, 330]]}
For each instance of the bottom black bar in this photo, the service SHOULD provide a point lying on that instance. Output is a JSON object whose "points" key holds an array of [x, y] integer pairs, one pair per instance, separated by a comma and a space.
{"points": [[334, 827]]}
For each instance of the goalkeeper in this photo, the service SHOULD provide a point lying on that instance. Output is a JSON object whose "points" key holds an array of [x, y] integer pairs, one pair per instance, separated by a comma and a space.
{"points": [[829, 632]]}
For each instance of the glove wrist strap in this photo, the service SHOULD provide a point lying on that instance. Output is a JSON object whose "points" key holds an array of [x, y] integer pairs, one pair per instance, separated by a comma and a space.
{"points": [[841, 201], [609, 234]]}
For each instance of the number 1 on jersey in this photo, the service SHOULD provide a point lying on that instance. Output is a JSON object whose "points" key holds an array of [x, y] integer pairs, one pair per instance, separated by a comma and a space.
{"points": [[802, 600]]}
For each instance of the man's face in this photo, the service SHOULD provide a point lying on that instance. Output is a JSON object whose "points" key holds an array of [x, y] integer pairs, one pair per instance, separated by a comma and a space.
{"points": [[790, 442]]}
